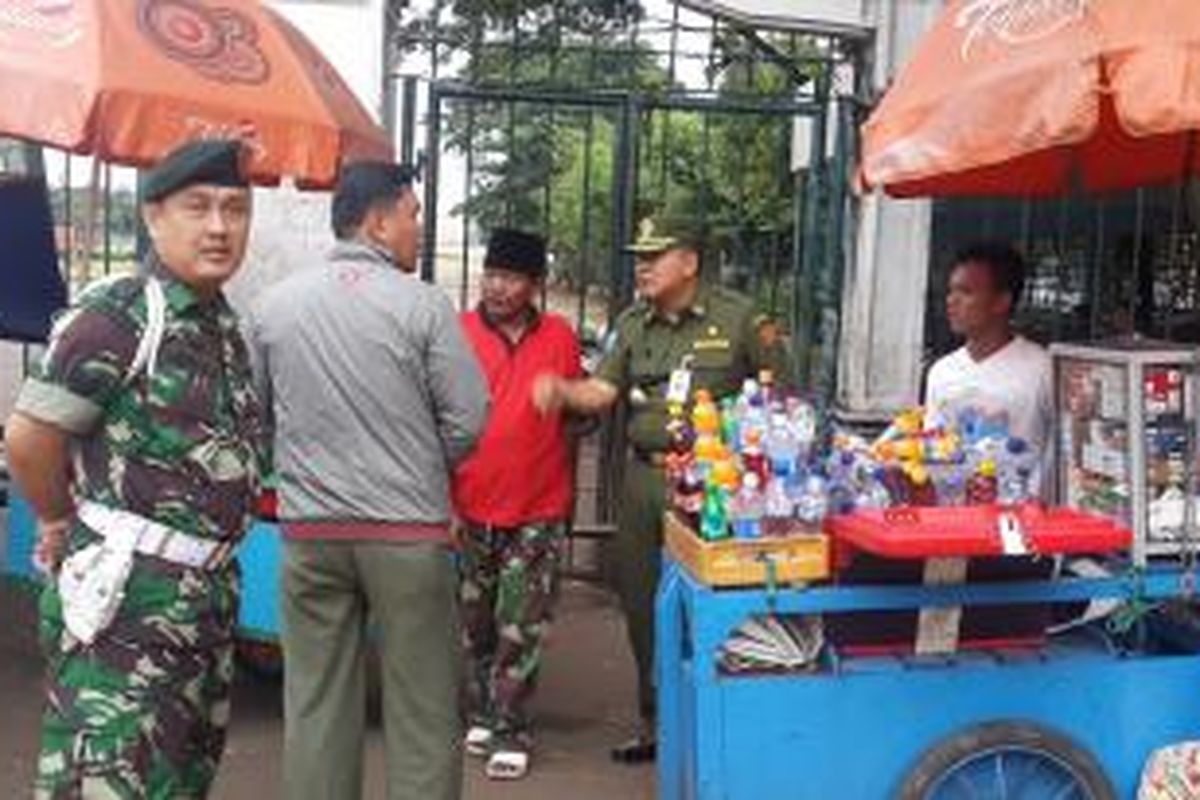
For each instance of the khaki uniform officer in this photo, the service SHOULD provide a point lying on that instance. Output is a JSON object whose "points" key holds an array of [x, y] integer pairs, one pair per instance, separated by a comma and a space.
{"points": [[679, 336]]}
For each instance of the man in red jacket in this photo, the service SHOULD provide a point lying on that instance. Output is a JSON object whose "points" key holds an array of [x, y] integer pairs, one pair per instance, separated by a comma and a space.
{"points": [[514, 497]]}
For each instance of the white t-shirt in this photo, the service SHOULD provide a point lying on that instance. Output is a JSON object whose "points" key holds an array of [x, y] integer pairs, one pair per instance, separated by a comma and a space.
{"points": [[1012, 384]]}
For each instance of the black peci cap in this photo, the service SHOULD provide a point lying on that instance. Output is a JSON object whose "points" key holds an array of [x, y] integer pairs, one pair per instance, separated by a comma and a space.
{"points": [[516, 251]]}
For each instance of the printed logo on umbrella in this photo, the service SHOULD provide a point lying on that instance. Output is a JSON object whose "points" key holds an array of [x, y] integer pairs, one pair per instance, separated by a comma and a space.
{"points": [[1015, 22], [219, 43]]}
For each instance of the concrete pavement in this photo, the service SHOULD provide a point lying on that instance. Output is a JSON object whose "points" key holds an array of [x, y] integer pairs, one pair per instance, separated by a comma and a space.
{"points": [[585, 704]]}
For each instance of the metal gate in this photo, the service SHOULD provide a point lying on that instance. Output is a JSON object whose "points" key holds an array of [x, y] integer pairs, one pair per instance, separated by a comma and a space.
{"points": [[573, 119]]}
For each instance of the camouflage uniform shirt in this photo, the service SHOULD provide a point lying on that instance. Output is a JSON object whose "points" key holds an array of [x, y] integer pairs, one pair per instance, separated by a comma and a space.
{"points": [[182, 447]]}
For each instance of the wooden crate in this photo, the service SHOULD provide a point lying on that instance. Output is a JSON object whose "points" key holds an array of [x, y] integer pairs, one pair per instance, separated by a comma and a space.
{"points": [[802, 556]]}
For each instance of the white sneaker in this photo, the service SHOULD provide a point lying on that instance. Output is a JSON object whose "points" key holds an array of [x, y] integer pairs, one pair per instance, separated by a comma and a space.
{"points": [[507, 765], [478, 741]]}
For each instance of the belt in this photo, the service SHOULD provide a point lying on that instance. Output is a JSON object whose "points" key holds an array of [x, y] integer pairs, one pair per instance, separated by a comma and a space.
{"points": [[155, 539], [653, 458]]}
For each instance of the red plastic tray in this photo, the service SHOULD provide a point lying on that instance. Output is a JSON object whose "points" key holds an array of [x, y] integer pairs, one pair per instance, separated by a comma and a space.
{"points": [[930, 532]]}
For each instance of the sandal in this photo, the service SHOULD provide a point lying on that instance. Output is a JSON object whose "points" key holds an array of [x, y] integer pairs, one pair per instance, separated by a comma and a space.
{"points": [[507, 764], [638, 750], [478, 741]]}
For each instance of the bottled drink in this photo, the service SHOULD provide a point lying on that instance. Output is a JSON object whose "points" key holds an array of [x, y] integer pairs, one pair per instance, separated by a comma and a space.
{"points": [[777, 504], [1014, 473], [746, 508], [780, 446], [689, 496], [729, 422], [814, 501], [981, 488], [766, 383], [802, 418], [874, 493], [949, 483], [753, 458], [713, 520]]}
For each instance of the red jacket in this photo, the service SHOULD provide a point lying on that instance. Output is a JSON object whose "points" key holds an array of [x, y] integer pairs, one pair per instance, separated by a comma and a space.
{"points": [[522, 469]]}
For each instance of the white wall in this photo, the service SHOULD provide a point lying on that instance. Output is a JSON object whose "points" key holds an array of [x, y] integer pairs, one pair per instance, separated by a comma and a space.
{"points": [[291, 228], [350, 34], [883, 323]]}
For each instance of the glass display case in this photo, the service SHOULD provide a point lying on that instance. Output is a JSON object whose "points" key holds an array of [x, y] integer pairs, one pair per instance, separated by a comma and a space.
{"points": [[1125, 438]]}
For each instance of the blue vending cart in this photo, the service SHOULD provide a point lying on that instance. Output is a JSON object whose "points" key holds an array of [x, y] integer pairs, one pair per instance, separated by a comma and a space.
{"points": [[1075, 717]]}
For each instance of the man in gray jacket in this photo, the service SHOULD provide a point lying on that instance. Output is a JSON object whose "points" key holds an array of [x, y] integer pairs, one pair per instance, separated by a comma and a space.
{"points": [[375, 397]]}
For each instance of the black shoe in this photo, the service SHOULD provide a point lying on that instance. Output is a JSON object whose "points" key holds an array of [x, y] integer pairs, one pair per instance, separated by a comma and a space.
{"points": [[638, 750]]}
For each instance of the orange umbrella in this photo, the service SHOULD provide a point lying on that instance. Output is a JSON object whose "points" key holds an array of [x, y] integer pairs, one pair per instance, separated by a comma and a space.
{"points": [[1035, 96], [128, 80]]}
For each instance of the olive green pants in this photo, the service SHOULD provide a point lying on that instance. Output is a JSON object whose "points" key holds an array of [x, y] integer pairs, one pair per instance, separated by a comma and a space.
{"points": [[409, 591], [637, 561]]}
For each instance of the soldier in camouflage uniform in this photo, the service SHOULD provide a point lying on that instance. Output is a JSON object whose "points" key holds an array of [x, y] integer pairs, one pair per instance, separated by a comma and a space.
{"points": [[514, 495], [680, 332], [141, 710]]}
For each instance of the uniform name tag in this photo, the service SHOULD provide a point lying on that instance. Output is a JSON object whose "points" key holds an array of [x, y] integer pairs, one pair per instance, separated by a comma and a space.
{"points": [[680, 383], [711, 344]]}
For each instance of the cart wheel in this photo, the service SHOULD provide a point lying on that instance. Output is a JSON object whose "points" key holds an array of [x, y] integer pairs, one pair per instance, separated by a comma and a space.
{"points": [[1011, 760]]}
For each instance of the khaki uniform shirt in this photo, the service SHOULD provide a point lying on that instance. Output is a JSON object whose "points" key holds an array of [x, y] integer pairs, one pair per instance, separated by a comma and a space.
{"points": [[720, 332]]}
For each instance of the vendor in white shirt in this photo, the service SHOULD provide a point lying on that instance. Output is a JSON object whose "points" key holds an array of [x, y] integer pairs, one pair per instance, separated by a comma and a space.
{"points": [[996, 371]]}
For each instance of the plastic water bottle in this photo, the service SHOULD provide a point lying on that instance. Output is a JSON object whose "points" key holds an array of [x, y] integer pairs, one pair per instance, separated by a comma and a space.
{"points": [[874, 493], [777, 504], [781, 446], [746, 509], [1014, 473], [802, 419], [841, 485], [814, 501], [742, 409]]}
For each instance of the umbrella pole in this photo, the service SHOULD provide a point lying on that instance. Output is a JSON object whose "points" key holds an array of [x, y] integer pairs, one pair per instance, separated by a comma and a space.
{"points": [[82, 269]]}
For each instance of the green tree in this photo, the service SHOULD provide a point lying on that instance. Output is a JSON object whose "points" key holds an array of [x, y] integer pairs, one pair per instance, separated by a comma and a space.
{"points": [[549, 167]]}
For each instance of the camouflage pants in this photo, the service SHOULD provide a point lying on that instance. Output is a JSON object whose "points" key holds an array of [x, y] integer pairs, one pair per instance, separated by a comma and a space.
{"points": [[142, 711], [509, 582]]}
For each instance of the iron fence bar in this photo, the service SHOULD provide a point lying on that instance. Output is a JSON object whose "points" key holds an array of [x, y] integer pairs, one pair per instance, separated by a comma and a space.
{"points": [[1097, 268], [1025, 225], [1064, 208], [408, 120], [1173, 263], [813, 248], [845, 154], [433, 124], [1139, 232], [674, 43], [624, 196], [468, 180], [584, 271], [616, 98], [511, 108]]}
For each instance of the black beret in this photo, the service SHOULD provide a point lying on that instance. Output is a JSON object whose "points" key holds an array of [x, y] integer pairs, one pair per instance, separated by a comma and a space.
{"points": [[516, 251], [213, 161]]}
